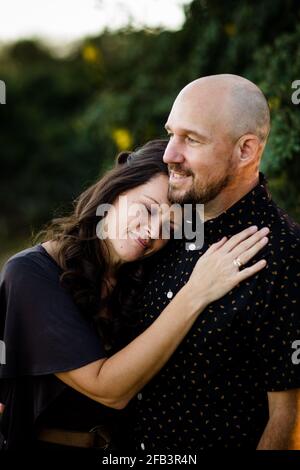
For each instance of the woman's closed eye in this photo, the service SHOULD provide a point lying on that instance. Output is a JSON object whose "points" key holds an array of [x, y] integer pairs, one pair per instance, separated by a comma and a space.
{"points": [[152, 209], [148, 208]]}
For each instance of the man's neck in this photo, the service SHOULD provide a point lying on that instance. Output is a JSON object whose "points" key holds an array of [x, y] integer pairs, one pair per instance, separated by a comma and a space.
{"points": [[228, 197]]}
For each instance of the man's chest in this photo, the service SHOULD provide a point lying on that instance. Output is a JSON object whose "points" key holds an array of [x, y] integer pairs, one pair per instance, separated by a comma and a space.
{"points": [[222, 331]]}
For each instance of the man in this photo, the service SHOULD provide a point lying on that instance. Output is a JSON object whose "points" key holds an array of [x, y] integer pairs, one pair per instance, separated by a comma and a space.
{"points": [[232, 383]]}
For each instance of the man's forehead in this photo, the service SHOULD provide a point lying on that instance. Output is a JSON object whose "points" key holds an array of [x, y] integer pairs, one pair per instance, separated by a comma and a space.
{"points": [[202, 115]]}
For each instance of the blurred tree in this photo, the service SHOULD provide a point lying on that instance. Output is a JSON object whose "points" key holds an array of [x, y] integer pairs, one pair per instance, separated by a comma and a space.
{"points": [[45, 157], [66, 117]]}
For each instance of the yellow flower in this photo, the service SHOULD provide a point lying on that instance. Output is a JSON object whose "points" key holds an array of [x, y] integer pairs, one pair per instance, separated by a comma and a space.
{"points": [[274, 102], [230, 29], [91, 54], [122, 138]]}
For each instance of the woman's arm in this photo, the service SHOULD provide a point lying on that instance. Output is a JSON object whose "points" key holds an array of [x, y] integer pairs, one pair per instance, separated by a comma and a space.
{"points": [[116, 380]]}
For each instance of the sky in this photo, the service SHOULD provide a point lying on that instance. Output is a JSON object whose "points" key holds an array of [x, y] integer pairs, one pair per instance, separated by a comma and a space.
{"points": [[68, 20]]}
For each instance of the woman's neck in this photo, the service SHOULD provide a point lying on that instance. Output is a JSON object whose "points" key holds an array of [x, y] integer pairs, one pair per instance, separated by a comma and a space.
{"points": [[51, 248], [113, 262], [110, 274]]}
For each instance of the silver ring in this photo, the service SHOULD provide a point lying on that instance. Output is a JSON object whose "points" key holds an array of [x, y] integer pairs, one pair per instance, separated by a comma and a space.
{"points": [[237, 262]]}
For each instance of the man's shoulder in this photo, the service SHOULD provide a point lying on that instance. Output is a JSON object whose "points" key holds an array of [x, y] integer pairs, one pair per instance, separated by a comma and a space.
{"points": [[281, 223], [284, 237]]}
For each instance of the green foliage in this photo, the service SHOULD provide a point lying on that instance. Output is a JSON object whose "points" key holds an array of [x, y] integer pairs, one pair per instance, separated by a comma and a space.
{"points": [[66, 117], [276, 69]]}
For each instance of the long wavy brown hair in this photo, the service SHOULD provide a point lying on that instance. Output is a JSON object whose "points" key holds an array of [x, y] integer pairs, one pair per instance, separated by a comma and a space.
{"points": [[84, 258]]}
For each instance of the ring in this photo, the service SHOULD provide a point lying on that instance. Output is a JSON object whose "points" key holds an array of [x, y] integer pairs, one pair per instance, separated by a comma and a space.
{"points": [[237, 262]]}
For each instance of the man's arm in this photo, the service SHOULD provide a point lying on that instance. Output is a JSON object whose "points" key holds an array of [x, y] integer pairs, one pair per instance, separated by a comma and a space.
{"points": [[283, 429]]}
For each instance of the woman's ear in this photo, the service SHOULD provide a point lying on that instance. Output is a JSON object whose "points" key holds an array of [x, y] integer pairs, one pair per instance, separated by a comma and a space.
{"points": [[122, 157]]}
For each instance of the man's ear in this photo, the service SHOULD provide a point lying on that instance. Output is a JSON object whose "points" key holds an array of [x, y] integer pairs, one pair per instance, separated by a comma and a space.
{"points": [[248, 148]]}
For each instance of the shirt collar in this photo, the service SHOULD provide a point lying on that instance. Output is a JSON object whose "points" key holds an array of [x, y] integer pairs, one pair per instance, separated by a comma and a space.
{"points": [[256, 198], [237, 217]]}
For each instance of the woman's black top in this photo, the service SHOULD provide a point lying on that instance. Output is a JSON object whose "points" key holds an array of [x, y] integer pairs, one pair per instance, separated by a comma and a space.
{"points": [[42, 332]]}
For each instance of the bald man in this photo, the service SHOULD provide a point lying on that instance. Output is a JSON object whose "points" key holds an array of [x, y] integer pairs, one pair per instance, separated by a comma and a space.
{"points": [[232, 383]]}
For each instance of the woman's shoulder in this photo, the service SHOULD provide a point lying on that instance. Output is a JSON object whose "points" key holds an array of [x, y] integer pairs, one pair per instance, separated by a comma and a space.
{"points": [[30, 261]]}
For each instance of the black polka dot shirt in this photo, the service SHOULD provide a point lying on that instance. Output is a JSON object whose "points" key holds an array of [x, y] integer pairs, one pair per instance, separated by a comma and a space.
{"points": [[212, 393]]}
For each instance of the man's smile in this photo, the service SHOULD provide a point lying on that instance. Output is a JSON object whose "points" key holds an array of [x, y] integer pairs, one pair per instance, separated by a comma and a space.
{"points": [[177, 177]]}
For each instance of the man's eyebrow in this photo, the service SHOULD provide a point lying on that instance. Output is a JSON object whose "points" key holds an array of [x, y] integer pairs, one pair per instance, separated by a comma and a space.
{"points": [[190, 131]]}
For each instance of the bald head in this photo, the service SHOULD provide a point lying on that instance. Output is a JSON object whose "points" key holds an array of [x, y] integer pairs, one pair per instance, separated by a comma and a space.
{"points": [[218, 127], [233, 102]]}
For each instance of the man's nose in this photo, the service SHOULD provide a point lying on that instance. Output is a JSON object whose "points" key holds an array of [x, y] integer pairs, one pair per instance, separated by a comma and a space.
{"points": [[173, 153]]}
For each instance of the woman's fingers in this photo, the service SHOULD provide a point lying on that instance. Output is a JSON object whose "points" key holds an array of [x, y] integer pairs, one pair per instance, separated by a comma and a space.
{"points": [[248, 254], [248, 272], [215, 246], [240, 242], [221, 273], [238, 238], [249, 242]]}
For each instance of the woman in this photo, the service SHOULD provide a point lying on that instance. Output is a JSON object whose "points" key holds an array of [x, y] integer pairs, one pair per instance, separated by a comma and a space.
{"points": [[66, 304]]}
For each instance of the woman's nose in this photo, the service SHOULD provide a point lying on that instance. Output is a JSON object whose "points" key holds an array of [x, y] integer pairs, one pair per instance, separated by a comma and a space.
{"points": [[156, 229], [151, 230]]}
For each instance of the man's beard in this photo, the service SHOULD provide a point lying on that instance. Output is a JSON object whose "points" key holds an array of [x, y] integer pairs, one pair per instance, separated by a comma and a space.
{"points": [[200, 194]]}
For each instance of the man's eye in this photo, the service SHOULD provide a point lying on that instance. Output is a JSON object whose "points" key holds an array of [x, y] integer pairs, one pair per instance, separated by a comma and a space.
{"points": [[170, 135], [191, 140]]}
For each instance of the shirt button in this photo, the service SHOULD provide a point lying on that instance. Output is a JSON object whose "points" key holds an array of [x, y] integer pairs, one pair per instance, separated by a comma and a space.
{"points": [[139, 396], [170, 294], [192, 246], [142, 446]]}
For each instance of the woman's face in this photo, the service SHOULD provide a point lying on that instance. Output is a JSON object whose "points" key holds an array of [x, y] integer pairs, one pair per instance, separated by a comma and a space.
{"points": [[135, 222]]}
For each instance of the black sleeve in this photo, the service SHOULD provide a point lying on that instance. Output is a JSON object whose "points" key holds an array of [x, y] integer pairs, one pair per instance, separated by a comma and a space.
{"points": [[42, 328], [277, 331]]}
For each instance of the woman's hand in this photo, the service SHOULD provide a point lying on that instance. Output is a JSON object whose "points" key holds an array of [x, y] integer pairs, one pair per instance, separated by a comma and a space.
{"points": [[217, 272]]}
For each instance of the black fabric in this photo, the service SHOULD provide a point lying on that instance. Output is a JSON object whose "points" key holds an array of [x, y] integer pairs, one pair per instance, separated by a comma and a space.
{"points": [[44, 333], [212, 393]]}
